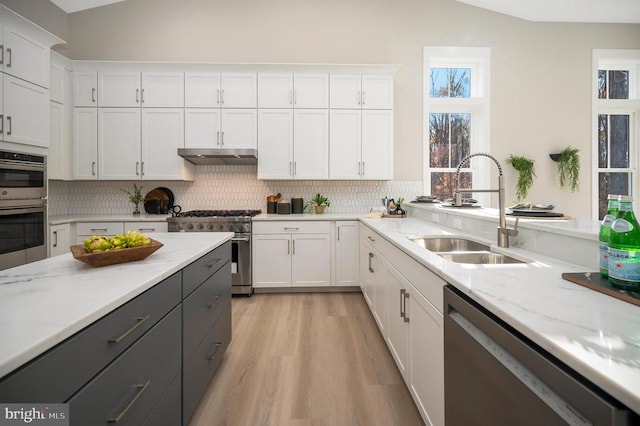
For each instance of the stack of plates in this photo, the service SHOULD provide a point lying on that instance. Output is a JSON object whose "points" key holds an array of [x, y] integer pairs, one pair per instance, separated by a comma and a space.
{"points": [[426, 199], [534, 210]]}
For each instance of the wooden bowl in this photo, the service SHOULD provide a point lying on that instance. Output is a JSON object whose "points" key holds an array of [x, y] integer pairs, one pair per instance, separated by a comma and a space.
{"points": [[115, 256]]}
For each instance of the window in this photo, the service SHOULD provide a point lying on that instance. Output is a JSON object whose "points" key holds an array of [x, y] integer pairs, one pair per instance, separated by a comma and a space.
{"points": [[456, 117], [616, 111]]}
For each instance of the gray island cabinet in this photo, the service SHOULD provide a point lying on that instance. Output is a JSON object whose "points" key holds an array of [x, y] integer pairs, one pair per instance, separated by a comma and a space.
{"points": [[148, 361]]}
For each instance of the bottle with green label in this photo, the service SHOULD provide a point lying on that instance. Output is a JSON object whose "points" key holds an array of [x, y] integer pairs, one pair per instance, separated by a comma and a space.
{"points": [[605, 230], [624, 248]]}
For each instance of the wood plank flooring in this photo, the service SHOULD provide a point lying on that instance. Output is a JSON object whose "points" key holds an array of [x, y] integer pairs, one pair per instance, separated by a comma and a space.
{"points": [[306, 359]]}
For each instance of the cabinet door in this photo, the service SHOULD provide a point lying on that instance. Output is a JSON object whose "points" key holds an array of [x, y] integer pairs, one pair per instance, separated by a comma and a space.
{"points": [[366, 270], [377, 92], [239, 90], [347, 253], [56, 89], [397, 327], [377, 144], [427, 358], [239, 128], [118, 89], [345, 90], [311, 144], [275, 90], [56, 125], [162, 135], [59, 237], [275, 144], [345, 148], [26, 109], [380, 279], [85, 143], [119, 143], [271, 260], [162, 89], [85, 88], [310, 260], [311, 91], [25, 57], [202, 127], [201, 90]]}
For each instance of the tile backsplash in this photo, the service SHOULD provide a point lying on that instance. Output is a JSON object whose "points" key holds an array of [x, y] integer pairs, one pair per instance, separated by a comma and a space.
{"points": [[224, 187]]}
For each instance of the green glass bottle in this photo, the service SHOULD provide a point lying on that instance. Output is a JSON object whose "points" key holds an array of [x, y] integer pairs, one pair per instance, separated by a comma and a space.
{"points": [[605, 230], [624, 248]]}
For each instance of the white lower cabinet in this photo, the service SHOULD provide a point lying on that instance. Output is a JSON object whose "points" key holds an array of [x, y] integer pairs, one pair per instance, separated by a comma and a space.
{"points": [[85, 230], [291, 254], [59, 239], [413, 326], [346, 253]]}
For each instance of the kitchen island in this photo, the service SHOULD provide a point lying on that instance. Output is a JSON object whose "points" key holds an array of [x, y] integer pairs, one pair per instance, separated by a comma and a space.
{"points": [[70, 331]]}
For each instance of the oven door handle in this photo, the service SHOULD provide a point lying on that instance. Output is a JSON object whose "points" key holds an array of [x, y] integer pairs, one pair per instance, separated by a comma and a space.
{"points": [[240, 239]]}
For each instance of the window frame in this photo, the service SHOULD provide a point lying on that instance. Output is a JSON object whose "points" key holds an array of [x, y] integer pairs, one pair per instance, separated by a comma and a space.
{"points": [[616, 59], [478, 59]]}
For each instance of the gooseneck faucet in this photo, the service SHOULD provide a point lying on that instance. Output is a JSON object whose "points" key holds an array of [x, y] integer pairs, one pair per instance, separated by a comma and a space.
{"points": [[503, 232]]}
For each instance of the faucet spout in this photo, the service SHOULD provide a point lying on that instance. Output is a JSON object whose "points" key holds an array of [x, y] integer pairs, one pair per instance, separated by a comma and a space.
{"points": [[503, 231]]}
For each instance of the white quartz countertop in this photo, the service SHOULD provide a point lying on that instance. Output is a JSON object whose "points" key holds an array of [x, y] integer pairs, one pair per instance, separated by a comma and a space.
{"points": [[57, 220], [595, 334], [42, 303], [308, 216]]}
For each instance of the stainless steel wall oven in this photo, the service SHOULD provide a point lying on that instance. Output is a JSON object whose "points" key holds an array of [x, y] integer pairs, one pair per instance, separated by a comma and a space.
{"points": [[23, 208]]}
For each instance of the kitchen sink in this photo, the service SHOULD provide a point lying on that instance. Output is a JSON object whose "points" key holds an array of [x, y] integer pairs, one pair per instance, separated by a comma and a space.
{"points": [[449, 244], [462, 250]]}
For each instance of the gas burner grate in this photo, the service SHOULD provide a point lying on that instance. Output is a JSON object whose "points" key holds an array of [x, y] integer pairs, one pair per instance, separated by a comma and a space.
{"points": [[219, 213]]}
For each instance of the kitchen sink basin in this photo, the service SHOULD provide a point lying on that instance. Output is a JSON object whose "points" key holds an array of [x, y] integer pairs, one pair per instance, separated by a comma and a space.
{"points": [[479, 258], [449, 244]]}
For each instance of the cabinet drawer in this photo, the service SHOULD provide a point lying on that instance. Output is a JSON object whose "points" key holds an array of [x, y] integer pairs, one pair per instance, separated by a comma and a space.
{"points": [[127, 390], [203, 307], [145, 227], [203, 363], [168, 411], [294, 227], [57, 374], [197, 272], [99, 228]]}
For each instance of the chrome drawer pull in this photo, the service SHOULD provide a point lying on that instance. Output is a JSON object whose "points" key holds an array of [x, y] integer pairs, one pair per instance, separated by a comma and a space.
{"points": [[141, 388], [214, 301], [406, 315], [402, 307], [214, 263], [146, 229], [98, 229], [139, 322], [212, 355], [370, 239], [291, 229]]}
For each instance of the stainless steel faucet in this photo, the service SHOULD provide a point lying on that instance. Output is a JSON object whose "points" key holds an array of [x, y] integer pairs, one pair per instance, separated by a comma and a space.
{"points": [[503, 232]]}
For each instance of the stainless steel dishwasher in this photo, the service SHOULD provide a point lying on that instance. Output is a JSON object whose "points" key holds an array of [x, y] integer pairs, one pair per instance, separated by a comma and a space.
{"points": [[496, 376]]}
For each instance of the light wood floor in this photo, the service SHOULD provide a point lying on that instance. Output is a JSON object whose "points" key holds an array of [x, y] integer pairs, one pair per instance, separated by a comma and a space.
{"points": [[306, 359]]}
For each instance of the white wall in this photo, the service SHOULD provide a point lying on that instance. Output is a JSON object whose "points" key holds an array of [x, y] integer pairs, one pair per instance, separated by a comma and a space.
{"points": [[540, 71]]}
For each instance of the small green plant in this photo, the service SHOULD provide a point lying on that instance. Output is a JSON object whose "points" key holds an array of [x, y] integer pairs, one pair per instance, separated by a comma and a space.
{"points": [[526, 172], [135, 196], [319, 200], [569, 168]]}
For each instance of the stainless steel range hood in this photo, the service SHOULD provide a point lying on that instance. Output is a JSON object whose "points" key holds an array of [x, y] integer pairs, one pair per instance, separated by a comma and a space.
{"points": [[231, 156]]}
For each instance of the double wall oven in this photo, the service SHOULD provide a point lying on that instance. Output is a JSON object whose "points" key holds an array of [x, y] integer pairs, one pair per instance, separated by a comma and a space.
{"points": [[23, 208], [236, 221]]}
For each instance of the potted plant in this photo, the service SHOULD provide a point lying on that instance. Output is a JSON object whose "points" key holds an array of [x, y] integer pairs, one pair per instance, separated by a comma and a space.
{"points": [[135, 197], [319, 202], [568, 167], [526, 172]]}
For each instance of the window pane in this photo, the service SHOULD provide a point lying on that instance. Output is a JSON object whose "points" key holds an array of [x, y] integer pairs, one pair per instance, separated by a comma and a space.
{"points": [[603, 141], [619, 140], [460, 131], [439, 140], [439, 78], [460, 82], [611, 183], [602, 84], [442, 184], [618, 84]]}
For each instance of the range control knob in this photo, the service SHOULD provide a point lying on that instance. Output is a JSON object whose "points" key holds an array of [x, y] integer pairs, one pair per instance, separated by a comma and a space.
{"points": [[210, 226], [200, 226], [189, 226]]}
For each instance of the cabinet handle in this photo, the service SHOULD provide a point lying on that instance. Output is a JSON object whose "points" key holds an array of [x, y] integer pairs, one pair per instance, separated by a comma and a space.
{"points": [[137, 168], [338, 237], [295, 97], [295, 168], [370, 239], [140, 389], [292, 228], [402, 292], [214, 263], [212, 355], [9, 122], [370, 266], [359, 97], [93, 168], [55, 239], [1, 54], [142, 168], [1, 124], [93, 94], [406, 315], [218, 96], [291, 168], [289, 247], [218, 138], [240, 240], [9, 55], [222, 138], [213, 302], [146, 229], [98, 229], [363, 97], [222, 96], [359, 168], [141, 96], [137, 95], [139, 322], [363, 169], [293, 245]]}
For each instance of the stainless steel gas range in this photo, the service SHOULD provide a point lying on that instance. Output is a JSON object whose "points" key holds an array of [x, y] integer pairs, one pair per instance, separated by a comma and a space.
{"points": [[236, 221]]}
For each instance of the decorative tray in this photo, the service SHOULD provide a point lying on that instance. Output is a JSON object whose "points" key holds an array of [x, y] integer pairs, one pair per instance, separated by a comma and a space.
{"points": [[115, 256], [595, 281]]}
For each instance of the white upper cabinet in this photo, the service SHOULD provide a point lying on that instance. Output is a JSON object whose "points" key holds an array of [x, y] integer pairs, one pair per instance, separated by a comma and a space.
{"points": [[162, 89], [293, 90], [85, 143], [119, 89], [239, 128], [26, 112], [275, 144], [377, 144], [135, 89], [119, 149], [220, 90], [202, 127], [85, 88], [162, 135], [25, 57], [355, 91]]}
